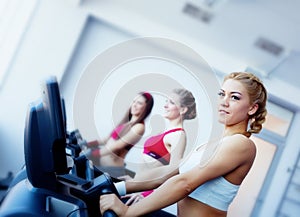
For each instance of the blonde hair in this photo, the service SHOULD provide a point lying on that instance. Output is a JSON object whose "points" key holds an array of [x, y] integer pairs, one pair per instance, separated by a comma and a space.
{"points": [[257, 94]]}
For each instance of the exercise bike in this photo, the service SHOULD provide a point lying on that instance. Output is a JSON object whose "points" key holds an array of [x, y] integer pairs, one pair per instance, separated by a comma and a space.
{"points": [[56, 180]]}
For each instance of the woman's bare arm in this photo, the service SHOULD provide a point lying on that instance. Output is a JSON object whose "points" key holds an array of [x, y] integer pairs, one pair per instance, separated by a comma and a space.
{"points": [[131, 137], [231, 154], [153, 177]]}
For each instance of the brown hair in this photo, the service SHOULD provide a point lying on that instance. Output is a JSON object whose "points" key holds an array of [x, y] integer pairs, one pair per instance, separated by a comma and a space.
{"points": [[257, 94], [142, 117]]}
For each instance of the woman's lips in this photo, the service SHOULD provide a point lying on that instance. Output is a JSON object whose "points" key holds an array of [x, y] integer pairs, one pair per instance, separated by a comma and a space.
{"points": [[223, 111]]}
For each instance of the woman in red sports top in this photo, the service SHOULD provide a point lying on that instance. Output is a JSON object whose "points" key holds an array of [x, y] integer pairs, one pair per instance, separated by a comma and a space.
{"points": [[166, 149], [112, 151]]}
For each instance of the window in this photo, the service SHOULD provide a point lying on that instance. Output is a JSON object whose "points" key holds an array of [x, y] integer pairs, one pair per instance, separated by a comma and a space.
{"points": [[278, 119]]}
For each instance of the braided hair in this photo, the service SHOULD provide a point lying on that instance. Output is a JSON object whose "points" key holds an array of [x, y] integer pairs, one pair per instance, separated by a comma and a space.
{"points": [[257, 94]]}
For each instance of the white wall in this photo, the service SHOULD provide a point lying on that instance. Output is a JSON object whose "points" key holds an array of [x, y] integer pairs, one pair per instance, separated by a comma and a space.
{"points": [[44, 50], [106, 103]]}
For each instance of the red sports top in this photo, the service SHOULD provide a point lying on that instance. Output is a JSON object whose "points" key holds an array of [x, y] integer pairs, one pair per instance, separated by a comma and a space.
{"points": [[155, 147]]}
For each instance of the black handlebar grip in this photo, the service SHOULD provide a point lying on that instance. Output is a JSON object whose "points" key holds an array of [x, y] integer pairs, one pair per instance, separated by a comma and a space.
{"points": [[109, 190], [109, 213]]}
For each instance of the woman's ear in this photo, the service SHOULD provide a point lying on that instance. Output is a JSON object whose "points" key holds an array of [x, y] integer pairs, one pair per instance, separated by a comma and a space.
{"points": [[253, 109], [183, 110]]}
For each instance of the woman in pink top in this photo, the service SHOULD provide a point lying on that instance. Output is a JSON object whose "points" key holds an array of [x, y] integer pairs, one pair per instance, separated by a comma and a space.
{"points": [[112, 151]]}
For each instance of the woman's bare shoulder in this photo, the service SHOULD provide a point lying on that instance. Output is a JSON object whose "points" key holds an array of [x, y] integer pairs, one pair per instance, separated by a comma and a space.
{"points": [[239, 143], [138, 128]]}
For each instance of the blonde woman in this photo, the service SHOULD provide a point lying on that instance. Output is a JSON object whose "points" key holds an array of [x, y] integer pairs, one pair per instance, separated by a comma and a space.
{"points": [[208, 190]]}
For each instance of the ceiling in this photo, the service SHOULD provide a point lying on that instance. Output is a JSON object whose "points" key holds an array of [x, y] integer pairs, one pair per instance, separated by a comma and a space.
{"points": [[265, 34]]}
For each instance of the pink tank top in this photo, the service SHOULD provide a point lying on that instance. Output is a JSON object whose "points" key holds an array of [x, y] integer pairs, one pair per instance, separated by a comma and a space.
{"points": [[116, 135]]}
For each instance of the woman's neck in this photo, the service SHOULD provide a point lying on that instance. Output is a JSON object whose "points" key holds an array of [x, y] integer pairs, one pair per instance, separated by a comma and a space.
{"points": [[176, 123], [133, 118], [235, 129]]}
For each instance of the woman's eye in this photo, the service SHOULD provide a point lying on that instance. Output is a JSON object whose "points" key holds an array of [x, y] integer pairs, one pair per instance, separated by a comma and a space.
{"points": [[169, 101], [221, 94], [235, 97]]}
